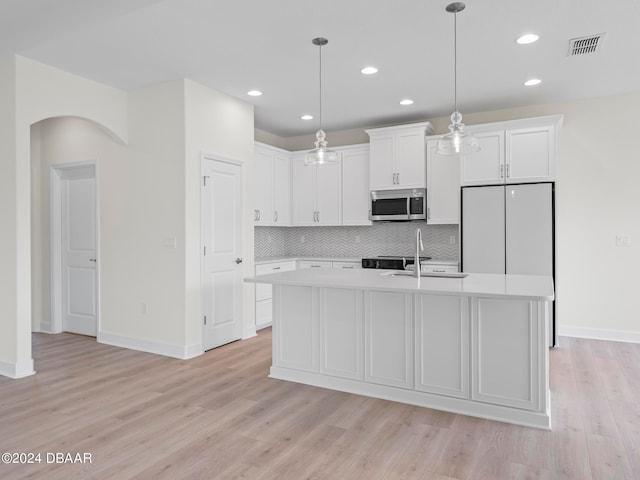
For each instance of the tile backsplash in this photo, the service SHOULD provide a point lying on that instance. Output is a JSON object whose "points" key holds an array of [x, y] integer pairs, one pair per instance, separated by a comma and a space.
{"points": [[384, 238]]}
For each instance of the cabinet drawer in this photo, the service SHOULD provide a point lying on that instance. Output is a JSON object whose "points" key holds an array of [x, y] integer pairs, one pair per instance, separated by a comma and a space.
{"points": [[439, 268], [263, 291], [347, 265], [314, 264]]}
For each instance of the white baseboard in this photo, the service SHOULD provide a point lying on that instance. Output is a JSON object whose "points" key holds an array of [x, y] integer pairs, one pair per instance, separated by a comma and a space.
{"points": [[182, 352], [45, 327], [17, 370], [599, 334]]}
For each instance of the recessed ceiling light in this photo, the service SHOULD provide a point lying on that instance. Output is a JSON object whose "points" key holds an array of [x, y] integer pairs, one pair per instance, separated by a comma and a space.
{"points": [[527, 38], [406, 101], [532, 82], [307, 117], [369, 70], [254, 93]]}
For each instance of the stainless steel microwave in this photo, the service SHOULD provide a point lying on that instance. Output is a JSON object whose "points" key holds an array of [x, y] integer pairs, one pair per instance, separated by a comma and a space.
{"points": [[399, 205]]}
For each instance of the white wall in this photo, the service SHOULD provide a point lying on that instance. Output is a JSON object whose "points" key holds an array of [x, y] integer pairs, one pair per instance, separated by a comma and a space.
{"points": [[31, 92], [597, 197], [221, 126], [12, 363]]}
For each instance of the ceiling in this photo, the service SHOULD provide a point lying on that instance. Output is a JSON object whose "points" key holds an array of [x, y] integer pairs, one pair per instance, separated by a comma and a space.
{"points": [[234, 46]]}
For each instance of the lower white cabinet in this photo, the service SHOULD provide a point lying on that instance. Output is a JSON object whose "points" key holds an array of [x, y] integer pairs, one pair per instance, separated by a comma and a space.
{"points": [[347, 265], [296, 331], [263, 292], [472, 355], [341, 333], [314, 264], [438, 268], [388, 334], [442, 345], [508, 372]]}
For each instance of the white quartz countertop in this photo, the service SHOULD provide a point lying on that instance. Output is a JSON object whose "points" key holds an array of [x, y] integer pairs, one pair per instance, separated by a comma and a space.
{"points": [[267, 260], [527, 287]]}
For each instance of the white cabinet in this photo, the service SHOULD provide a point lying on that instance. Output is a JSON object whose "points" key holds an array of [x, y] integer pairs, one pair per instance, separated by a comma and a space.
{"points": [[486, 166], [442, 345], [341, 333], [530, 154], [443, 186], [314, 264], [347, 265], [295, 333], [355, 185], [518, 151], [438, 268], [264, 292], [397, 156], [317, 193], [272, 186], [388, 335], [510, 373]]}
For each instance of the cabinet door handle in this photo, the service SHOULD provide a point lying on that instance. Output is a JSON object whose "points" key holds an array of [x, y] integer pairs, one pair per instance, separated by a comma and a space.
{"points": [[318, 215], [502, 171], [258, 214], [255, 215], [275, 215], [398, 178], [508, 170], [347, 267], [276, 268], [435, 270]]}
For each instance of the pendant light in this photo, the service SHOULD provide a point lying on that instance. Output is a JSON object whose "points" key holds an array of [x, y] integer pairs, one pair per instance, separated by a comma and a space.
{"points": [[458, 140], [320, 155]]}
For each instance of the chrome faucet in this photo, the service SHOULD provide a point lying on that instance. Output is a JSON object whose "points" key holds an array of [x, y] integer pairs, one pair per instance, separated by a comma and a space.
{"points": [[419, 248]]}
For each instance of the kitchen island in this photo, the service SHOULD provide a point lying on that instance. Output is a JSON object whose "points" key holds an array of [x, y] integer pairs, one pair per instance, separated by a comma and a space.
{"points": [[476, 345]]}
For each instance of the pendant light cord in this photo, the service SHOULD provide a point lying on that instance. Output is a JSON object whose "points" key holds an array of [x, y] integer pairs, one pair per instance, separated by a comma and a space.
{"points": [[320, 81], [455, 61]]}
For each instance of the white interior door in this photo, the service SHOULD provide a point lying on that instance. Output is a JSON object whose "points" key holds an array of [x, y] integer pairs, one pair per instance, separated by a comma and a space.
{"points": [[222, 251], [78, 255]]}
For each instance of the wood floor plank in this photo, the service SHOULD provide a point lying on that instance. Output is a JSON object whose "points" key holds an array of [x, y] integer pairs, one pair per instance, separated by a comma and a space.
{"points": [[219, 416]]}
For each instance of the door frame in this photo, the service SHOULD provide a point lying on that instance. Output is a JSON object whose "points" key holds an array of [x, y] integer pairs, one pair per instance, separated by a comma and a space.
{"points": [[57, 174], [204, 157]]}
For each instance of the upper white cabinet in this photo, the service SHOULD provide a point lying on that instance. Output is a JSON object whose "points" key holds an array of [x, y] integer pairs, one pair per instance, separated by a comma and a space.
{"points": [[443, 186], [355, 185], [317, 193], [519, 151], [398, 156], [272, 186]]}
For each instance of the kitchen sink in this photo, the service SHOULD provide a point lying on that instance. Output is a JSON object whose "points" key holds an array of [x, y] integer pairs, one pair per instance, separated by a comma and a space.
{"points": [[406, 273]]}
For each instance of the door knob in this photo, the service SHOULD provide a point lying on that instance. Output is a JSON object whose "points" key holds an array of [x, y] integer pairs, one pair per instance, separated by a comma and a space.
{"points": [[238, 260]]}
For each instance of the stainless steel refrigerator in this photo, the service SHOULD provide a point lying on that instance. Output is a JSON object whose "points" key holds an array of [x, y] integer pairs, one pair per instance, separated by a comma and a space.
{"points": [[509, 229]]}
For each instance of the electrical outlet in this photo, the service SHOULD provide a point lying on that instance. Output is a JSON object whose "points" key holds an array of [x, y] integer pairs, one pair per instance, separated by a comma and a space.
{"points": [[452, 240], [170, 242], [623, 240]]}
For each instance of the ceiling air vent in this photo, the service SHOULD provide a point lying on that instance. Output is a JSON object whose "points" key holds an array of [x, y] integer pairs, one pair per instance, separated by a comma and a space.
{"points": [[586, 45]]}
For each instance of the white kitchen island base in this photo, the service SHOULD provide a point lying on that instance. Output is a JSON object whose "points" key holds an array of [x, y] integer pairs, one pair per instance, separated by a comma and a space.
{"points": [[475, 346]]}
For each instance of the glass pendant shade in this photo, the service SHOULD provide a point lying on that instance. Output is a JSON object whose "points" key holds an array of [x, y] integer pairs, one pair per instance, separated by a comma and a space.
{"points": [[320, 155], [458, 140]]}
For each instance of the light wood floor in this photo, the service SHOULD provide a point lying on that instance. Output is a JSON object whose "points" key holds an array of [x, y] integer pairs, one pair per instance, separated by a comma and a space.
{"points": [[219, 417]]}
